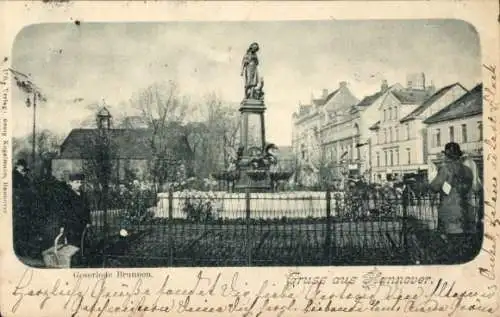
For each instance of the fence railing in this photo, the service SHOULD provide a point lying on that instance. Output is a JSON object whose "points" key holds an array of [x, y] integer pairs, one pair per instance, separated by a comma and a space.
{"points": [[301, 228]]}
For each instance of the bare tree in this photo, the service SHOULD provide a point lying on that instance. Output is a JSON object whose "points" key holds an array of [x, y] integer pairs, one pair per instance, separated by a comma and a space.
{"points": [[222, 122], [47, 143], [162, 107]]}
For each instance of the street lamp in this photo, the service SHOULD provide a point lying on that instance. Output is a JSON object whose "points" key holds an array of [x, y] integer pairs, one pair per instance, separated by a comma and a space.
{"points": [[25, 83]]}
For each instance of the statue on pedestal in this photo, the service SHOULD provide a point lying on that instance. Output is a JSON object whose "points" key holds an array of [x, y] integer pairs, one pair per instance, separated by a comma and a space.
{"points": [[254, 84]]}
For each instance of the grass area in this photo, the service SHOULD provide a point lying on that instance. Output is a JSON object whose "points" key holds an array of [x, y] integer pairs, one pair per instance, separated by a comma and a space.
{"points": [[375, 242]]}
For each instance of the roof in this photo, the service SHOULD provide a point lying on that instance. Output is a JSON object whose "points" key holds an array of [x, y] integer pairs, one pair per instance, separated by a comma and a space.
{"points": [[411, 97], [125, 143], [368, 100], [330, 96], [104, 112], [375, 126], [304, 109], [430, 101], [318, 102], [468, 105]]}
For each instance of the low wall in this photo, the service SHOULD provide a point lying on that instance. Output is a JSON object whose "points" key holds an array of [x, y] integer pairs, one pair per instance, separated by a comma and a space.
{"points": [[279, 205], [267, 206], [262, 205]]}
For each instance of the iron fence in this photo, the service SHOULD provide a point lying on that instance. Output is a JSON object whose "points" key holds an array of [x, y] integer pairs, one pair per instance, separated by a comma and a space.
{"points": [[194, 228]]}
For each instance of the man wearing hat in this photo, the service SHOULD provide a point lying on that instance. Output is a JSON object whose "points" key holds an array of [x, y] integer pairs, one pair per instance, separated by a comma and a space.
{"points": [[22, 197], [453, 181], [77, 213], [20, 174]]}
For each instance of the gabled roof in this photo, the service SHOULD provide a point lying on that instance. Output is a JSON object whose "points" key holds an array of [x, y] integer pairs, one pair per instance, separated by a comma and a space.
{"points": [[318, 102], [411, 97], [430, 101], [468, 105], [330, 96], [125, 143], [104, 112], [368, 100]]}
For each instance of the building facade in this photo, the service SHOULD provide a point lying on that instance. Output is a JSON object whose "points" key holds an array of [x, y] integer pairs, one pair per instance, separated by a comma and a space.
{"points": [[307, 135], [461, 122], [346, 137], [397, 148]]}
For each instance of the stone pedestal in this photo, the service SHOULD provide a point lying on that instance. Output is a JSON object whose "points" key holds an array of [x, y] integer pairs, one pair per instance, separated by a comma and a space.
{"points": [[252, 139]]}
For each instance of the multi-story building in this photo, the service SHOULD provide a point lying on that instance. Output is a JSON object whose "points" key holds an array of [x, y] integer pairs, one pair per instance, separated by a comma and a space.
{"points": [[345, 138], [306, 133], [461, 122], [395, 147]]}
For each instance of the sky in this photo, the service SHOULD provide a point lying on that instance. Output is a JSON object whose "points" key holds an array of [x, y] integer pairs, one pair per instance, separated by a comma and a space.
{"points": [[298, 59]]}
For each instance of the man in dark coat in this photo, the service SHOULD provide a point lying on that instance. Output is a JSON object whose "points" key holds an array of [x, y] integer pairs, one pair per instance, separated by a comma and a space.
{"points": [[22, 198], [453, 182], [76, 215]]}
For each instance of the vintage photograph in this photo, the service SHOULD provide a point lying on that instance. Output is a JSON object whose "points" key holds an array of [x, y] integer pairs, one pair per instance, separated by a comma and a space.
{"points": [[222, 144]]}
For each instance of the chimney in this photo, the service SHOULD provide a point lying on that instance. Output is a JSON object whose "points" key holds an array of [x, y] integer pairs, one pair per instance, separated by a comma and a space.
{"points": [[342, 84], [325, 93], [384, 86], [431, 89], [416, 81], [409, 81]]}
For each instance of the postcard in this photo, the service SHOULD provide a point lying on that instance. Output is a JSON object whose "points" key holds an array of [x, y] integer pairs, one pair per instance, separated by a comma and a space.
{"points": [[249, 158]]}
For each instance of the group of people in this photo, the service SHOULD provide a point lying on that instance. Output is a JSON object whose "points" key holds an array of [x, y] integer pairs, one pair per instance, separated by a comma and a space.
{"points": [[42, 206]]}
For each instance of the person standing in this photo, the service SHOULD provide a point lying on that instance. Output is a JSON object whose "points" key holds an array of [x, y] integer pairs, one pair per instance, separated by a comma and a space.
{"points": [[77, 212], [22, 198], [453, 181]]}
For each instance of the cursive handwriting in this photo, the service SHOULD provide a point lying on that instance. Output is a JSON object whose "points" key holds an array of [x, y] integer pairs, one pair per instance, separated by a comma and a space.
{"points": [[491, 182], [222, 294]]}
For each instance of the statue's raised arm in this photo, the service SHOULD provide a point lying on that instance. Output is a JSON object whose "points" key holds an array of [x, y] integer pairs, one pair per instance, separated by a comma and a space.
{"points": [[249, 69]]}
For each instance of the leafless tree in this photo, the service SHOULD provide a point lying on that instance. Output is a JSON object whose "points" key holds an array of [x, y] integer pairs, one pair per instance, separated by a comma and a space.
{"points": [[47, 144], [162, 107], [213, 139]]}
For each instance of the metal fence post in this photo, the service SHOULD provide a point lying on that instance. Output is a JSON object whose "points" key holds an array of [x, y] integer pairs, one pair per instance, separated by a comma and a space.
{"points": [[247, 238], [328, 238], [170, 227], [404, 227]]}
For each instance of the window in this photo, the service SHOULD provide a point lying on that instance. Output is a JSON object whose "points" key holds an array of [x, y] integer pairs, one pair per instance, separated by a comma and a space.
{"points": [[452, 134], [438, 137], [392, 158], [385, 136], [390, 113], [408, 153], [385, 156], [397, 157], [395, 112], [464, 133], [378, 159], [390, 134], [396, 134], [407, 126], [480, 130]]}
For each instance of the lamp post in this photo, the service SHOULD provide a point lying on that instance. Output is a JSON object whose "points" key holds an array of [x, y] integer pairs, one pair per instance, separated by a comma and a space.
{"points": [[25, 83]]}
